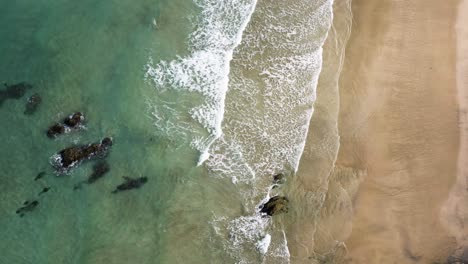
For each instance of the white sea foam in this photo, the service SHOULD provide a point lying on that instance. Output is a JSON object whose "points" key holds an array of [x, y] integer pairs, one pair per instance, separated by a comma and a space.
{"points": [[269, 105], [264, 244], [246, 229], [244, 234], [280, 251], [205, 71]]}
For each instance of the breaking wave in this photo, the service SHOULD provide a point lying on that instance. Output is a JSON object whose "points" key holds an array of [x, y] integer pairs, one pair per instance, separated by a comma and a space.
{"points": [[204, 71]]}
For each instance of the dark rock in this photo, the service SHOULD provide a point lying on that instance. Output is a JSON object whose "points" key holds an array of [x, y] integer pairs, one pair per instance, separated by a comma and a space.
{"points": [[279, 178], [14, 91], [33, 103], [28, 207], [72, 156], [40, 175], [56, 129], [107, 141], [276, 205], [130, 183], [74, 120]]}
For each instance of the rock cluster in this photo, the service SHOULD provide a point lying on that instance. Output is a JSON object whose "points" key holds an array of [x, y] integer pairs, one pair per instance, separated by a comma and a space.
{"points": [[73, 121], [66, 159]]}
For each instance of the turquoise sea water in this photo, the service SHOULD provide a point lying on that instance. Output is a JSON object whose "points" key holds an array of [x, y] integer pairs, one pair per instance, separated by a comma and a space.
{"points": [[87, 56], [176, 84]]}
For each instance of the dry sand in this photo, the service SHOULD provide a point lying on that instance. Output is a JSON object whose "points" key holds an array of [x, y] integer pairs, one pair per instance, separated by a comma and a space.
{"points": [[394, 195], [399, 121], [454, 213]]}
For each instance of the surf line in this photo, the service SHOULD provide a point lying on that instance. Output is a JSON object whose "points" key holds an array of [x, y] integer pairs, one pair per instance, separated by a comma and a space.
{"points": [[205, 154]]}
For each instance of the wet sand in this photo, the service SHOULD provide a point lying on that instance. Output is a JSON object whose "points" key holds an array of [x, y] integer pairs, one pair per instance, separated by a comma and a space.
{"points": [[399, 122], [316, 184]]}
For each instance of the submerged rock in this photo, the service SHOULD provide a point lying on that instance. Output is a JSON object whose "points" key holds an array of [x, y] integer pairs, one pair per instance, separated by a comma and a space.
{"points": [[33, 103], [39, 175], [56, 129], [73, 121], [99, 170], [276, 205], [130, 183], [44, 190], [28, 207], [14, 91], [70, 157]]}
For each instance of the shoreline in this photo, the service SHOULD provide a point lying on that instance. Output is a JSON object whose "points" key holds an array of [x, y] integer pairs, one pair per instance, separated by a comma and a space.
{"points": [[399, 122], [309, 187]]}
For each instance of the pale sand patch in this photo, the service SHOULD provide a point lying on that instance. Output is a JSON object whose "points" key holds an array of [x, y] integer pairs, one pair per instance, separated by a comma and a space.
{"points": [[454, 213], [398, 120]]}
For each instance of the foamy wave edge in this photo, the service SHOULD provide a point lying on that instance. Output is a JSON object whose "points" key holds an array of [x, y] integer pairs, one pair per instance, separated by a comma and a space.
{"points": [[213, 48], [252, 230]]}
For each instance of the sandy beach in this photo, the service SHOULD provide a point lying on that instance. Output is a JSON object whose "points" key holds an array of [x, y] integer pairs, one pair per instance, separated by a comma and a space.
{"points": [[398, 120], [399, 141]]}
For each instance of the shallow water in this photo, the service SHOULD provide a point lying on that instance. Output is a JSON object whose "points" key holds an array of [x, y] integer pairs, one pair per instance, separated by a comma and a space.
{"points": [[322, 192], [230, 82]]}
